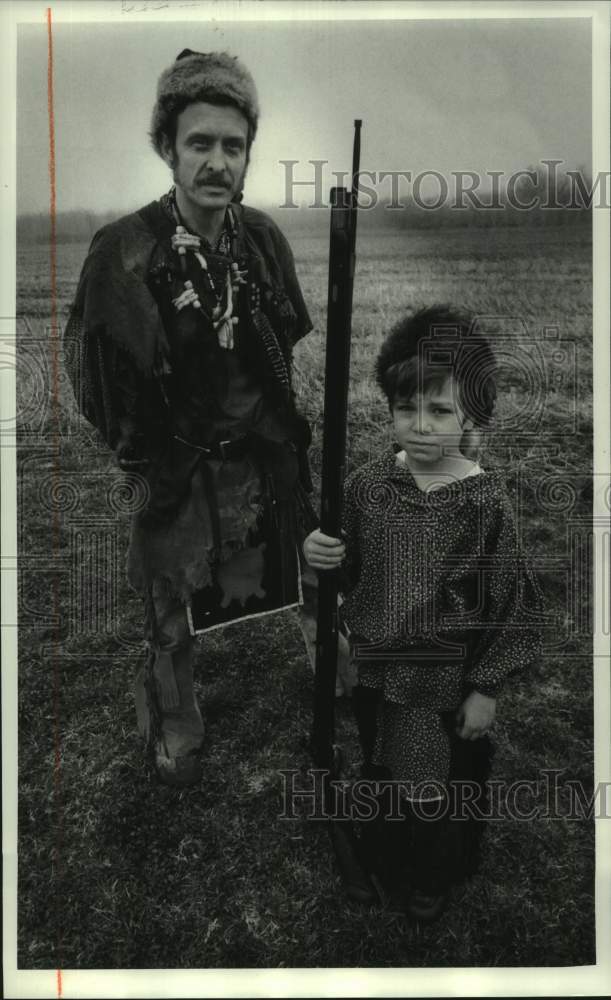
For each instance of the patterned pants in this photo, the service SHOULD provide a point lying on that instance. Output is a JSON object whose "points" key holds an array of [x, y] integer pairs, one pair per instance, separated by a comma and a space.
{"points": [[172, 651], [438, 841]]}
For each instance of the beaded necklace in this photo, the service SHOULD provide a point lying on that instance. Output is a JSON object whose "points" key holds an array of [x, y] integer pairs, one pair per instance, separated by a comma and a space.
{"points": [[222, 316]]}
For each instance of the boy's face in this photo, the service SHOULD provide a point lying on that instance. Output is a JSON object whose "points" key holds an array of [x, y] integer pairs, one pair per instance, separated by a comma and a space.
{"points": [[430, 424]]}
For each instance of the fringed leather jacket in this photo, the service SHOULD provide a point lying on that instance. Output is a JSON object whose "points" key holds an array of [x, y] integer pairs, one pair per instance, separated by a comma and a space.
{"points": [[144, 372]]}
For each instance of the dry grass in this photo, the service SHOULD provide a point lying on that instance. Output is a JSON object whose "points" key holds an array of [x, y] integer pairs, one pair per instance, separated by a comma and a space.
{"points": [[117, 872]]}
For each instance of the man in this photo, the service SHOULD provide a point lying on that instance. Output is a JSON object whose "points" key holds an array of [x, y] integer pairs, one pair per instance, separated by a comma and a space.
{"points": [[179, 348]]}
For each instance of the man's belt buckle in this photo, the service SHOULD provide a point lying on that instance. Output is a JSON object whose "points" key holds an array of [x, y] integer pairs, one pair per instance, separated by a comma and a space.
{"points": [[222, 445]]}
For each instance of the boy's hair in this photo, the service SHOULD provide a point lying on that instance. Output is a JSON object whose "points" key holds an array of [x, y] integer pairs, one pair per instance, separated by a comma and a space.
{"points": [[436, 343]]}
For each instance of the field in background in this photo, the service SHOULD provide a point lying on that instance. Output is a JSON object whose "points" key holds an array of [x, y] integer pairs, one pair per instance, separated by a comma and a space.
{"points": [[118, 872]]}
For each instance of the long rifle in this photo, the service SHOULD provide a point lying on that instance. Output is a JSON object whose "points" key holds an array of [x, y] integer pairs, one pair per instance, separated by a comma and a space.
{"points": [[344, 205]]}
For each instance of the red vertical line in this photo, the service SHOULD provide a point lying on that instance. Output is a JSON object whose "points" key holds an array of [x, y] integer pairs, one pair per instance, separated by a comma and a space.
{"points": [[89, 582], [75, 606], [591, 605], [100, 569], [56, 477], [84, 584], [108, 575], [115, 576], [97, 592], [576, 585], [94, 590], [111, 576], [73, 583], [604, 603]]}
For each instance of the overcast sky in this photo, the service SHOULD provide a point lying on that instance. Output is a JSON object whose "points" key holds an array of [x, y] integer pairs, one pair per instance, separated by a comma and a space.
{"points": [[434, 95]]}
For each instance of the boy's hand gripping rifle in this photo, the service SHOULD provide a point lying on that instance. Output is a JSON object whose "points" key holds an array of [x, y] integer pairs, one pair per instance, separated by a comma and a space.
{"points": [[337, 371]]}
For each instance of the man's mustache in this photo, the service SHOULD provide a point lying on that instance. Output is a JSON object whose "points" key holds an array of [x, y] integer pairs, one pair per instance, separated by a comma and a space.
{"points": [[214, 180]]}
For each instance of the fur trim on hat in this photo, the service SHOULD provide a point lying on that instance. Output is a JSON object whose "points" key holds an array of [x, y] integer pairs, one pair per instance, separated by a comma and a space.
{"points": [[216, 77]]}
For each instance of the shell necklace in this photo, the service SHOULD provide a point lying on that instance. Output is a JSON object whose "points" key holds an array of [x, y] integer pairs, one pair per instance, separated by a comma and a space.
{"points": [[222, 317]]}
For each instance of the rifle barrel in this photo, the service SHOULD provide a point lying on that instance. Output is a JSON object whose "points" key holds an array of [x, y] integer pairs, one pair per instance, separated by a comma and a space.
{"points": [[356, 157], [342, 242]]}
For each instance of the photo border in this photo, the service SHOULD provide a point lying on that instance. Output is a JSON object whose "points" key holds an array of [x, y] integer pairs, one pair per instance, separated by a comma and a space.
{"points": [[542, 981]]}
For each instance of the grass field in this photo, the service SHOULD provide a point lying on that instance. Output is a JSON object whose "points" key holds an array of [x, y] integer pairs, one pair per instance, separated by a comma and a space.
{"points": [[115, 871]]}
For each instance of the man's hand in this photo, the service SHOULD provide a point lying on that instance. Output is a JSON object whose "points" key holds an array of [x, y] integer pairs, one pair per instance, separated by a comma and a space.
{"points": [[322, 551], [475, 716]]}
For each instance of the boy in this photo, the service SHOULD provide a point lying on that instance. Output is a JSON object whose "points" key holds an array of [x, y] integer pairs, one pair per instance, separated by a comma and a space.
{"points": [[438, 600]]}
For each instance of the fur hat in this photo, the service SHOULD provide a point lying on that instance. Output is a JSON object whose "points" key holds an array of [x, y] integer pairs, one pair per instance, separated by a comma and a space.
{"points": [[216, 77]]}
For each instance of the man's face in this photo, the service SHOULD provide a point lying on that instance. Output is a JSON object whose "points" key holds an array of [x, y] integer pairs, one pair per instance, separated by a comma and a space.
{"points": [[210, 154], [430, 424]]}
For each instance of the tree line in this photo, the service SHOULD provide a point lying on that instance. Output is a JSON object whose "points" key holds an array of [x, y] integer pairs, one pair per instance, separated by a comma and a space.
{"points": [[563, 202]]}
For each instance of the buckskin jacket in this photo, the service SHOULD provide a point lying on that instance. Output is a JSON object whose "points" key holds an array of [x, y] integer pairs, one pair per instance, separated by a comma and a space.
{"points": [[160, 388]]}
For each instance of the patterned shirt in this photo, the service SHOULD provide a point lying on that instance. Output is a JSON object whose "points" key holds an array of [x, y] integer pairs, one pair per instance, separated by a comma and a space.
{"points": [[439, 597]]}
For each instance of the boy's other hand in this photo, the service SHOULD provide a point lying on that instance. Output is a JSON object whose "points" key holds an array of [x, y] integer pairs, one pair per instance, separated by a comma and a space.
{"points": [[475, 716], [322, 551]]}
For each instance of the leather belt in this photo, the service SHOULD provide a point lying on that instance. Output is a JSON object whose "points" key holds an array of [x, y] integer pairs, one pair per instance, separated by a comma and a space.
{"points": [[221, 450]]}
